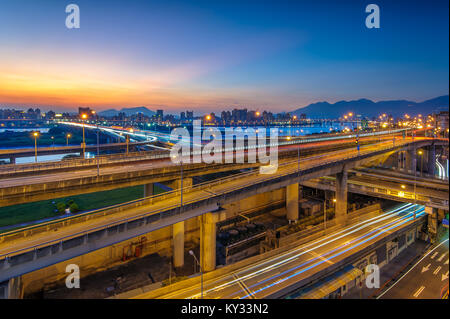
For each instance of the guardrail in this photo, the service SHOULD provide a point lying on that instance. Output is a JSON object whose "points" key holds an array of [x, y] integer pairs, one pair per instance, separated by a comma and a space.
{"points": [[157, 214]]}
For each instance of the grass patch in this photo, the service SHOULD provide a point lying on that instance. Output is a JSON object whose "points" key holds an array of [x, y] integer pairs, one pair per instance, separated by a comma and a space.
{"points": [[24, 213]]}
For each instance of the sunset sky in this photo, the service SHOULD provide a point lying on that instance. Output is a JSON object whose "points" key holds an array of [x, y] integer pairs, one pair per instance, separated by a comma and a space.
{"points": [[213, 55]]}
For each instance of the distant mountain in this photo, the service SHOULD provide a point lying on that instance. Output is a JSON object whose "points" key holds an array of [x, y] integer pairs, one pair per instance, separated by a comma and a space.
{"points": [[371, 109], [128, 111]]}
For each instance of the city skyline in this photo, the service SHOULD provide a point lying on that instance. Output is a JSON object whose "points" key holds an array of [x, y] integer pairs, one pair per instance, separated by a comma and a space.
{"points": [[175, 56]]}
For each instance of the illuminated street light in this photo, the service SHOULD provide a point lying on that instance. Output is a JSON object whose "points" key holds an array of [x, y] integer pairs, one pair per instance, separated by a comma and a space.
{"points": [[403, 186], [35, 135], [67, 138], [83, 145]]}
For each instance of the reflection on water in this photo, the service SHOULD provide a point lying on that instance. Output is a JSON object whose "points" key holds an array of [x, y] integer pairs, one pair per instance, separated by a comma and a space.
{"points": [[49, 158], [40, 129]]}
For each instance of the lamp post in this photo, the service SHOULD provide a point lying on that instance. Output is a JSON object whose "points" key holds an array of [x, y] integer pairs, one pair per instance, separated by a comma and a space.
{"points": [[181, 178], [35, 135], [201, 272], [420, 152], [83, 117], [67, 138]]}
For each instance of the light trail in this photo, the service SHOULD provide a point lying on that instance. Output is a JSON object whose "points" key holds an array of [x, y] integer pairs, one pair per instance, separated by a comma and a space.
{"points": [[317, 244], [284, 261], [405, 220]]}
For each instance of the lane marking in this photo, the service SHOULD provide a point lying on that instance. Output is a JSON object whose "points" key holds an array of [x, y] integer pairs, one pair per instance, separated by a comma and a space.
{"points": [[444, 277], [437, 270], [381, 295], [418, 292], [446, 263], [434, 255], [243, 286], [426, 268], [442, 257]]}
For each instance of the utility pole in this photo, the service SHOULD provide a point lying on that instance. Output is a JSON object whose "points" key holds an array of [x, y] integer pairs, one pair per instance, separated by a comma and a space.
{"points": [[201, 272]]}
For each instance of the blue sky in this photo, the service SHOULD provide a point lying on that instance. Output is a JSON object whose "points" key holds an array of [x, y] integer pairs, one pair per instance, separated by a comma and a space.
{"points": [[212, 55]]}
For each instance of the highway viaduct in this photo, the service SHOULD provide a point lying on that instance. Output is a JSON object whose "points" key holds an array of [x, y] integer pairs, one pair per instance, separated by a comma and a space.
{"points": [[41, 181], [40, 246]]}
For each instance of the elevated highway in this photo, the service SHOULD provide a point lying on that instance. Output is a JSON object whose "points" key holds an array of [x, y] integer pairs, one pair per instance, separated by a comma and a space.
{"points": [[277, 273], [55, 180], [35, 247], [425, 193], [29, 152]]}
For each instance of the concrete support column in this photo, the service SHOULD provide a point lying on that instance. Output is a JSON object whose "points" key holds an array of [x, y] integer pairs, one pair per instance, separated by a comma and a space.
{"points": [[176, 184], [431, 160], [12, 160], [12, 289], [341, 197], [410, 161], [432, 222], [208, 241], [178, 244], [292, 202], [401, 159], [148, 189]]}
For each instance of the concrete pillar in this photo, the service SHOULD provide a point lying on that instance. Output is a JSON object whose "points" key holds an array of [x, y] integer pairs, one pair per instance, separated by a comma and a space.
{"points": [[432, 222], [411, 161], [12, 289], [401, 159], [431, 160], [178, 244], [176, 184], [292, 202], [12, 160], [208, 241], [341, 197], [148, 189]]}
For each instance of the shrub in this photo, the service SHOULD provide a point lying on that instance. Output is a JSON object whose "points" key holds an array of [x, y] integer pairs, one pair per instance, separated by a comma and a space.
{"points": [[61, 207]]}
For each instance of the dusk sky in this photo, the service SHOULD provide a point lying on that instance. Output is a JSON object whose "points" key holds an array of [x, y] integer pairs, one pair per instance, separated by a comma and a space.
{"points": [[214, 55]]}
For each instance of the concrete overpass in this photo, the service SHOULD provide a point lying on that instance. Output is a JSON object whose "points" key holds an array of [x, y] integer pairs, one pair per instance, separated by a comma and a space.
{"points": [[35, 247], [26, 183], [402, 191], [13, 154]]}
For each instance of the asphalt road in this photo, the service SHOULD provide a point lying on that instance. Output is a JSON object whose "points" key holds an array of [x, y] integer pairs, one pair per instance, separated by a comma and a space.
{"points": [[269, 275], [425, 279]]}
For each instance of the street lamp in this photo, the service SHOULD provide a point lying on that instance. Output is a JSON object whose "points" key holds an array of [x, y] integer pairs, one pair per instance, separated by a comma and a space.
{"points": [[181, 177], [201, 272], [420, 152], [83, 117], [35, 135], [67, 138]]}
